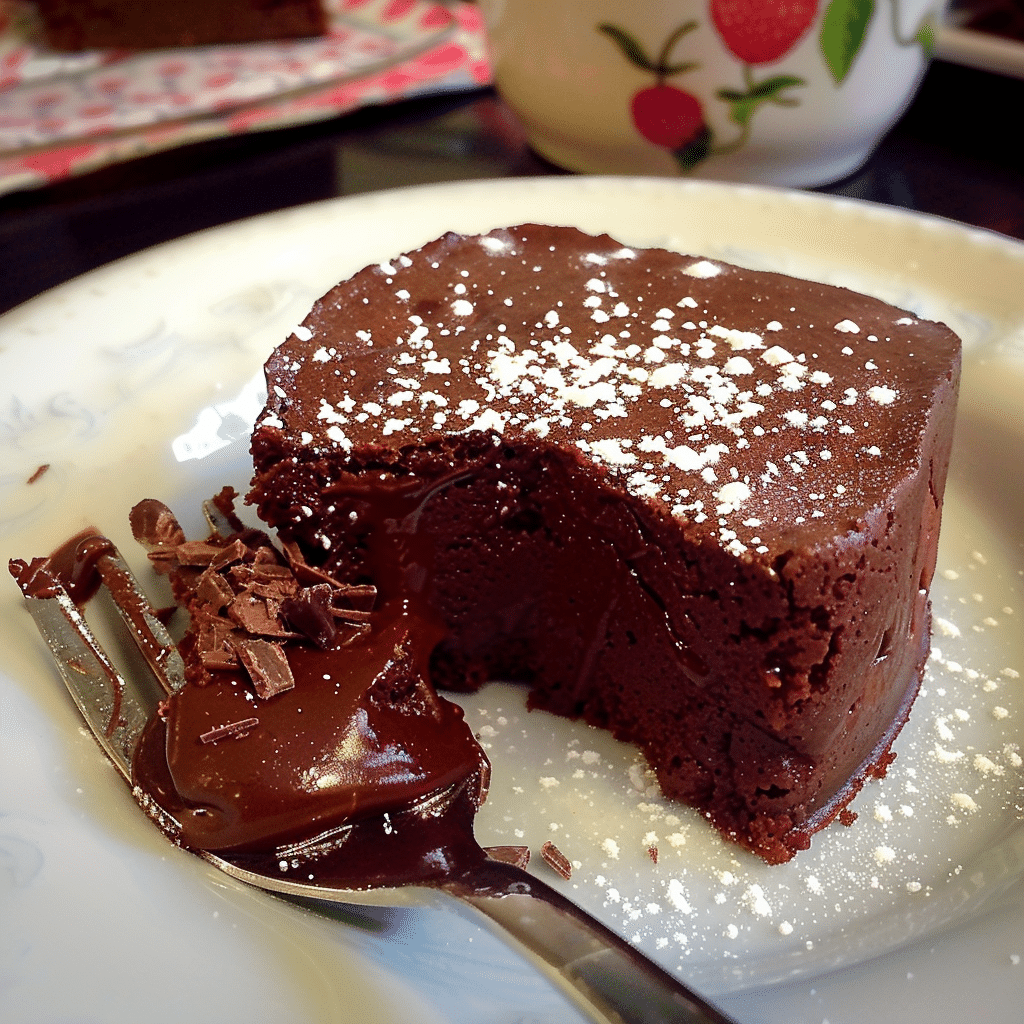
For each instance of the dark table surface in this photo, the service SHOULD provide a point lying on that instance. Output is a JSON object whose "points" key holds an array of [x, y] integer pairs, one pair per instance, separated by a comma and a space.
{"points": [[955, 153]]}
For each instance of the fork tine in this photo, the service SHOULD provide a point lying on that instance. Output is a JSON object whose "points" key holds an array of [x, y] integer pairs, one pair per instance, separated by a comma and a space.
{"points": [[115, 710], [148, 632]]}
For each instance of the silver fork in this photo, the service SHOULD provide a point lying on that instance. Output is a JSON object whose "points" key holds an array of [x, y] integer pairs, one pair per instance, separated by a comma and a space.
{"points": [[604, 976]]}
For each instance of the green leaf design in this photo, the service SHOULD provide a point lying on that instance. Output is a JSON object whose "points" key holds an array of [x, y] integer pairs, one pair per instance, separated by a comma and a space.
{"points": [[670, 43], [630, 48], [742, 111], [842, 34], [926, 37], [770, 86], [743, 104], [680, 68]]}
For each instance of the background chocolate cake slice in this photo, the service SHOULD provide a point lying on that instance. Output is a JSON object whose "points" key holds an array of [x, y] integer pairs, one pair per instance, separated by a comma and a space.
{"points": [[155, 24], [693, 504]]}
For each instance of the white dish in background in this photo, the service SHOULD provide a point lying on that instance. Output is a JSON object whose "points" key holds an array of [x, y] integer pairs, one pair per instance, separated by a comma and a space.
{"points": [[980, 50], [119, 380]]}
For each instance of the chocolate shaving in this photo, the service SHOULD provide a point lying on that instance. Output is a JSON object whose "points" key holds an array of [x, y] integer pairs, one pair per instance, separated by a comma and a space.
{"points": [[358, 596], [269, 572], [274, 590], [304, 572], [257, 616], [155, 526], [519, 856], [244, 598], [310, 613], [214, 591], [235, 729], [556, 860], [218, 659], [652, 852], [198, 552], [236, 551], [266, 559], [157, 529], [39, 472], [267, 666], [351, 614], [214, 643]]}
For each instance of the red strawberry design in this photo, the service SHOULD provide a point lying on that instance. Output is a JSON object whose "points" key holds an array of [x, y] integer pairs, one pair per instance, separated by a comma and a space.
{"points": [[664, 115], [667, 116], [762, 31]]}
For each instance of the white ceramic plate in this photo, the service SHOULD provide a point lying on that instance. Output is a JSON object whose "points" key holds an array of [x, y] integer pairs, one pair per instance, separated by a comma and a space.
{"points": [[142, 379]]}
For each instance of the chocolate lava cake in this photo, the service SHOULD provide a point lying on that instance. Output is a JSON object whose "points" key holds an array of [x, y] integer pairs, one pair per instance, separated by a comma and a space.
{"points": [[690, 503]]}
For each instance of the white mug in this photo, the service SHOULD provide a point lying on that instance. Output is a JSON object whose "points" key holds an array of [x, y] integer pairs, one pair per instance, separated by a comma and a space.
{"points": [[784, 92]]}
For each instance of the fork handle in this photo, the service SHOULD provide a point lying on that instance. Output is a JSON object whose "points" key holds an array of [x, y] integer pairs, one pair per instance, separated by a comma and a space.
{"points": [[603, 974]]}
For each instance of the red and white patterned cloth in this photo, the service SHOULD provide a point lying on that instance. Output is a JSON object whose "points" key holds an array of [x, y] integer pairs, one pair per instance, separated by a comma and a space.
{"points": [[65, 114]]}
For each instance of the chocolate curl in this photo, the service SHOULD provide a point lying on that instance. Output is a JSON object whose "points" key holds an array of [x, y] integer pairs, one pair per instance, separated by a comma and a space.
{"points": [[265, 559], [157, 529], [556, 860], [267, 666]]}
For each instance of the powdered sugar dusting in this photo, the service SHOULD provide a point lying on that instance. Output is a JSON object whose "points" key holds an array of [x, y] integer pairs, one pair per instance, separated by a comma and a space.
{"points": [[727, 419]]}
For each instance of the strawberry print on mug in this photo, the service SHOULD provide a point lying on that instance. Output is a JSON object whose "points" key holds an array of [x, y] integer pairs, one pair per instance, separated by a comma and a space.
{"points": [[756, 33]]}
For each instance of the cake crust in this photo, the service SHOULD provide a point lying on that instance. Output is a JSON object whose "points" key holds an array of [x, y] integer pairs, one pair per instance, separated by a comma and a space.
{"points": [[691, 503]]}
